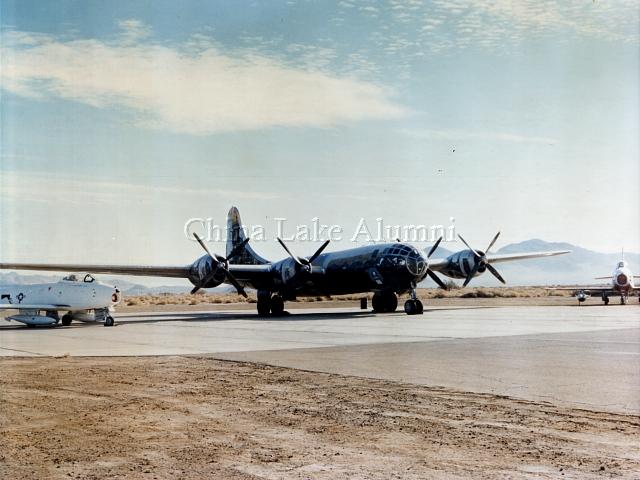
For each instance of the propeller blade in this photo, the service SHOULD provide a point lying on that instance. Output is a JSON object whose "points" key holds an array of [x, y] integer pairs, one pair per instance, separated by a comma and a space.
{"points": [[492, 242], [194, 290], [469, 247], [319, 251], [238, 249], [436, 279], [296, 259], [495, 273], [235, 283], [472, 273], [434, 248], [202, 244]]}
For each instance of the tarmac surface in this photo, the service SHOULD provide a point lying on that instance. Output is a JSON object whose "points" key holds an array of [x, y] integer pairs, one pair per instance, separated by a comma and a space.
{"points": [[587, 357]]}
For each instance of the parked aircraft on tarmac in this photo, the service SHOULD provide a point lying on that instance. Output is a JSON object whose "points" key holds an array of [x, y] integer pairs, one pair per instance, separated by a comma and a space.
{"points": [[384, 269], [621, 283], [86, 300]]}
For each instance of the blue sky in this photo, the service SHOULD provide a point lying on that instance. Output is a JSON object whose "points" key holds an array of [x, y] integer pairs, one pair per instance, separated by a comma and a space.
{"points": [[121, 120]]}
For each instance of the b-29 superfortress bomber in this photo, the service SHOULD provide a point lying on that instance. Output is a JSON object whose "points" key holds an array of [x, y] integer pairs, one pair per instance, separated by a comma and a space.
{"points": [[386, 269]]}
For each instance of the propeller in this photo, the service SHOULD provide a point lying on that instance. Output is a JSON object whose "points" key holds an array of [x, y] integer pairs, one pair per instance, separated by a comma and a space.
{"points": [[481, 261], [304, 264], [223, 264], [430, 272]]}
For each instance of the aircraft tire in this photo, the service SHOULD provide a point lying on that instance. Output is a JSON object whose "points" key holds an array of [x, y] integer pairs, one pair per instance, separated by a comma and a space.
{"points": [[66, 320], [277, 305], [390, 302], [410, 307], [377, 303], [264, 305], [108, 322], [623, 300], [606, 300], [384, 302], [420, 307]]}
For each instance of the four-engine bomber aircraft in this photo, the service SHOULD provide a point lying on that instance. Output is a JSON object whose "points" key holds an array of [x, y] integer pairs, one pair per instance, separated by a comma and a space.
{"points": [[621, 284], [87, 301], [385, 269]]}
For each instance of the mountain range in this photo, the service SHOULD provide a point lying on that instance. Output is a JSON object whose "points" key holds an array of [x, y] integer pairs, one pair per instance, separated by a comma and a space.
{"points": [[577, 268]]}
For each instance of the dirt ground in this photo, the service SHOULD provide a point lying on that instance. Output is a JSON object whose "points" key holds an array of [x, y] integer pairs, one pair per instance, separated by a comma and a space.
{"points": [[172, 303], [190, 417]]}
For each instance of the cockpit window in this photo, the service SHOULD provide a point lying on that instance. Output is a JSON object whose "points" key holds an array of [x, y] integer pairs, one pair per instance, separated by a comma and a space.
{"points": [[621, 265], [70, 278]]}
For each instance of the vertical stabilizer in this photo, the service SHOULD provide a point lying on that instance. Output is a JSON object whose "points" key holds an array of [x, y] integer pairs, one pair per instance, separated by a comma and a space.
{"points": [[235, 236]]}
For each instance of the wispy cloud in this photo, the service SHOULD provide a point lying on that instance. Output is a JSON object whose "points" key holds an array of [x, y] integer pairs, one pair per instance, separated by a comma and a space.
{"points": [[461, 135], [195, 88], [18, 187]]}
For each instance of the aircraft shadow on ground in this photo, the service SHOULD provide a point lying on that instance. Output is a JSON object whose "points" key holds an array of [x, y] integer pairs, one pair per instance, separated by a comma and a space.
{"points": [[292, 316]]}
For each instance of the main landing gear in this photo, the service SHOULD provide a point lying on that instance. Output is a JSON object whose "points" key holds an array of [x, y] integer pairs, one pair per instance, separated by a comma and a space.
{"points": [[387, 302], [66, 320], [103, 314], [268, 304], [384, 302]]}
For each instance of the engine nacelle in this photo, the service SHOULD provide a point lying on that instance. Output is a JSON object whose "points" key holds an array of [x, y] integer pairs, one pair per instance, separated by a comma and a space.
{"points": [[459, 264], [206, 269]]}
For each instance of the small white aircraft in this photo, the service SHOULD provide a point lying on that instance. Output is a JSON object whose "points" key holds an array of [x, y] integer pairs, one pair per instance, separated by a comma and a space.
{"points": [[86, 300], [621, 283]]}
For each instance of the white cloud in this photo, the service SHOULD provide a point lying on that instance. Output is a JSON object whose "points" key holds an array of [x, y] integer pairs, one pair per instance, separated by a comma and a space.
{"points": [[196, 88], [133, 30]]}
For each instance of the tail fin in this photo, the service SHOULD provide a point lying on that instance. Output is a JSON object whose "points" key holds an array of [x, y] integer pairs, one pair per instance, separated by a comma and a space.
{"points": [[235, 235]]}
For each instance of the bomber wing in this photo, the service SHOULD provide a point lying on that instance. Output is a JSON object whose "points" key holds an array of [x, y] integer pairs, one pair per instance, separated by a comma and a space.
{"points": [[140, 270], [245, 273], [587, 288], [508, 257], [440, 263]]}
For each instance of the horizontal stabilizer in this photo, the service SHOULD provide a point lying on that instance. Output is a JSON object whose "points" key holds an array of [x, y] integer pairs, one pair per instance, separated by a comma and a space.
{"points": [[24, 306]]}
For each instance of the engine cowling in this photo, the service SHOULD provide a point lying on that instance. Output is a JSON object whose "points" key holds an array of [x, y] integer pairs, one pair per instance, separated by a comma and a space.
{"points": [[460, 264], [207, 269]]}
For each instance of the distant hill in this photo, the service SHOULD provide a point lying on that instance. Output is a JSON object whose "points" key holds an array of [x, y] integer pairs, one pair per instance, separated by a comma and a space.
{"points": [[578, 267]]}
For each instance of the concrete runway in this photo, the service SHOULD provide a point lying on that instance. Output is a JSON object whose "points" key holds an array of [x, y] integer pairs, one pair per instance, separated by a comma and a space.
{"points": [[581, 356]]}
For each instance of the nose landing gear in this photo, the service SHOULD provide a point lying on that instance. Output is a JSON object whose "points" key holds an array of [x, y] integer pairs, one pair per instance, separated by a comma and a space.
{"points": [[413, 306]]}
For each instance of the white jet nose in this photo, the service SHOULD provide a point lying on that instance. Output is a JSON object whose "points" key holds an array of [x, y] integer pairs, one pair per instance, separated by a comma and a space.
{"points": [[116, 297]]}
